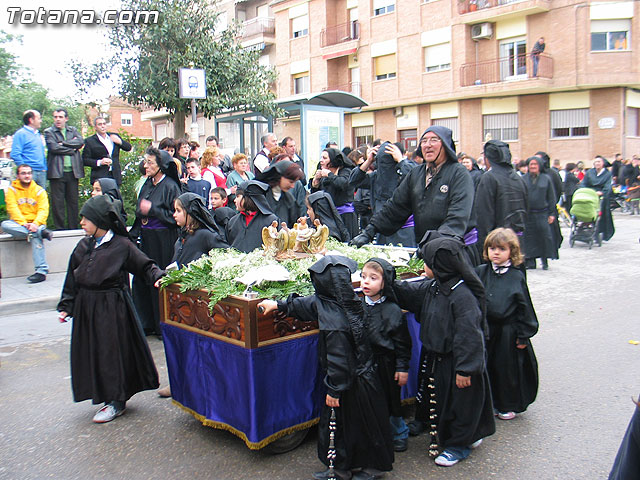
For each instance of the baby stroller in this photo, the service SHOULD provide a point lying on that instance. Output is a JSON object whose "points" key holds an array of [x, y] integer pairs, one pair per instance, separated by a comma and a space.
{"points": [[585, 216]]}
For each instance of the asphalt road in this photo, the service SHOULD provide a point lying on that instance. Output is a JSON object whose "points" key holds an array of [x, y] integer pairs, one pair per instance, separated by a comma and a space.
{"points": [[587, 304]]}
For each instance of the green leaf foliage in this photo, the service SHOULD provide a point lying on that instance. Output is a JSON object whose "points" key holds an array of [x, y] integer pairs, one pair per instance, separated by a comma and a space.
{"points": [[148, 58]]}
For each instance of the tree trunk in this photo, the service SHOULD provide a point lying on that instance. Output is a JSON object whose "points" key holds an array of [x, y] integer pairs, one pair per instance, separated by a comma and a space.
{"points": [[178, 125]]}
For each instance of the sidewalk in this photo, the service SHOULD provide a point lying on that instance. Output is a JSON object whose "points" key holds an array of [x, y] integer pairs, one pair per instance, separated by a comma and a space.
{"points": [[20, 296]]}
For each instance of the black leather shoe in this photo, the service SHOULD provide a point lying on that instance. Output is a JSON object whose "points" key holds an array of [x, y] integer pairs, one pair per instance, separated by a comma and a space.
{"points": [[400, 445], [416, 427], [339, 475], [36, 278]]}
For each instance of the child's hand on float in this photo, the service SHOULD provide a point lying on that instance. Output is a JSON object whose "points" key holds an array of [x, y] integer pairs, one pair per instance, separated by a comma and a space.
{"points": [[332, 401], [267, 306], [462, 381], [401, 378]]}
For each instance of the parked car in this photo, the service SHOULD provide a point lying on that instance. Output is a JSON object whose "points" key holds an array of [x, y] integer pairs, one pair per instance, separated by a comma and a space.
{"points": [[6, 169]]}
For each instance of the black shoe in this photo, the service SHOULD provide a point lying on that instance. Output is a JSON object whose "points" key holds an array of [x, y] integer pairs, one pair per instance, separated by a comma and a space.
{"points": [[339, 475], [416, 427], [48, 234], [401, 444], [36, 278], [363, 475]]}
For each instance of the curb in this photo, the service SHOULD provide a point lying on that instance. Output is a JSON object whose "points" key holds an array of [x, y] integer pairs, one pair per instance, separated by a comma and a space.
{"points": [[29, 305]]}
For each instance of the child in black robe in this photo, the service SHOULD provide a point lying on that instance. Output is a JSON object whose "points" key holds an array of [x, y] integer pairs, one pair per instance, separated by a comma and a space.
{"points": [[390, 340], [362, 437], [198, 230], [452, 332], [244, 231], [320, 205], [220, 209], [511, 362], [110, 358]]}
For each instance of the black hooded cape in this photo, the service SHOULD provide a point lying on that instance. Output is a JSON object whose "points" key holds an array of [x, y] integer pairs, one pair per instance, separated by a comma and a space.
{"points": [[602, 183], [325, 211], [110, 187], [538, 235], [363, 436], [389, 336], [110, 358]]}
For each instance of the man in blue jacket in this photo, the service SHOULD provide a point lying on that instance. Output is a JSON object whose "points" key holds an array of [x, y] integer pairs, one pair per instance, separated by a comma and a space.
{"points": [[28, 147]]}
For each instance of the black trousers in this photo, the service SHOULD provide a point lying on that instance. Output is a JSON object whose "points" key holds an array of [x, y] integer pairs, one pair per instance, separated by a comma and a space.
{"points": [[64, 190]]}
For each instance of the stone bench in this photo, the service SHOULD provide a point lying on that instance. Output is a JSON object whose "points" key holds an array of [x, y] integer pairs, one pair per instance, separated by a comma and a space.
{"points": [[16, 259]]}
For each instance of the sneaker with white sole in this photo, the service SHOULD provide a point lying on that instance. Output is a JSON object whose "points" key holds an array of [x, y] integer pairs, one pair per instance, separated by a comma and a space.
{"points": [[475, 444], [107, 413], [506, 415], [447, 459]]}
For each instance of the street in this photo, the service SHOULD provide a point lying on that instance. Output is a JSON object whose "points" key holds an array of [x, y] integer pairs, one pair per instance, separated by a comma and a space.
{"points": [[587, 305]]}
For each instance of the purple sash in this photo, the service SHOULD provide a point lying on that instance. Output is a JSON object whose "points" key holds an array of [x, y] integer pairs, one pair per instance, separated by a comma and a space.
{"points": [[471, 237], [409, 223], [346, 208], [153, 224]]}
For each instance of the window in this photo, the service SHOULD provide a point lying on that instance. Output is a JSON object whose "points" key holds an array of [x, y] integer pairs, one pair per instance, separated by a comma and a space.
{"points": [[301, 83], [300, 26], [609, 35], [633, 115], [513, 59], [437, 57], [126, 119], [363, 135], [570, 123], [450, 123], [385, 66], [380, 7], [500, 126]]}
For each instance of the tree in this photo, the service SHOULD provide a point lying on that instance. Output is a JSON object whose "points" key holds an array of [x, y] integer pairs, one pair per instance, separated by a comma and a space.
{"points": [[147, 58]]}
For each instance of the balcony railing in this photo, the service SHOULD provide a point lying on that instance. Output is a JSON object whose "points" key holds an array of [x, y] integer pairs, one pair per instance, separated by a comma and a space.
{"points": [[352, 87], [258, 25], [339, 34], [519, 67], [466, 6]]}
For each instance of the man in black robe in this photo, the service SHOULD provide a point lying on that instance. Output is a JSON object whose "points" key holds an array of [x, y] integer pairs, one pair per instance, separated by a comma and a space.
{"points": [[556, 180], [542, 206], [156, 229], [599, 179], [501, 196], [439, 194]]}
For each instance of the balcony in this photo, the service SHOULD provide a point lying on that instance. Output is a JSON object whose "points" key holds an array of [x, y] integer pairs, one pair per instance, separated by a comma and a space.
{"points": [[258, 30], [504, 70], [474, 11], [351, 87], [339, 34]]}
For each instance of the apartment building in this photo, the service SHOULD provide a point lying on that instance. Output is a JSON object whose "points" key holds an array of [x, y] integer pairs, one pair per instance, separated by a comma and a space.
{"points": [[466, 64]]}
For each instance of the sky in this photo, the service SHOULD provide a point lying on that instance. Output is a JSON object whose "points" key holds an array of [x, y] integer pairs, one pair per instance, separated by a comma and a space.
{"points": [[46, 49]]}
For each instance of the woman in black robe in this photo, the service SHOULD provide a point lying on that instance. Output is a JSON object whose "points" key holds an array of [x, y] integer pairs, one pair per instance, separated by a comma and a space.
{"points": [[570, 185], [455, 383], [511, 361], [110, 358], [199, 232], [156, 229], [598, 178], [282, 176], [333, 178], [541, 214], [320, 205], [362, 436], [244, 231]]}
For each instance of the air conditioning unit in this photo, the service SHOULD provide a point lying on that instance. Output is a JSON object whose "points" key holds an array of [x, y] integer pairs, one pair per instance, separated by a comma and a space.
{"points": [[481, 30]]}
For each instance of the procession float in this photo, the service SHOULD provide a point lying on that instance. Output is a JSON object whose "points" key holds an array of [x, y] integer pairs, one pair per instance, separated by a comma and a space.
{"points": [[235, 368]]}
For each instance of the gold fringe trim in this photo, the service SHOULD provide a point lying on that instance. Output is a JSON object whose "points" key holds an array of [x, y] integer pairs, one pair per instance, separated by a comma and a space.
{"points": [[252, 445]]}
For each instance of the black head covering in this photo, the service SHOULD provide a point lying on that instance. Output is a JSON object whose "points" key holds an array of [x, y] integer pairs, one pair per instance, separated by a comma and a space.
{"points": [[331, 278], [275, 171], [325, 211], [256, 191], [545, 162], [194, 206], [337, 159], [497, 153], [110, 187], [104, 212], [389, 277], [387, 177], [446, 135], [168, 166], [446, 258]]}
